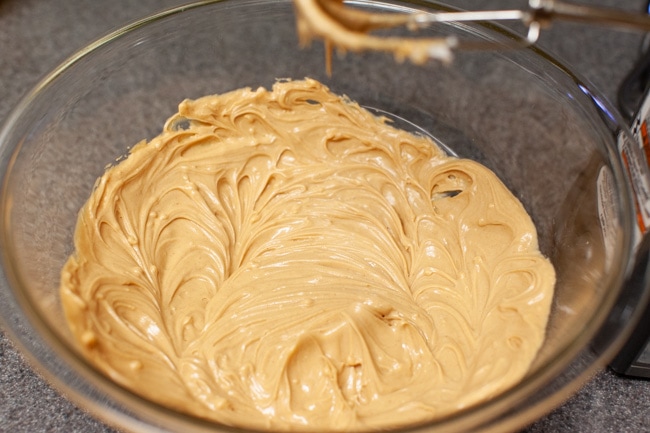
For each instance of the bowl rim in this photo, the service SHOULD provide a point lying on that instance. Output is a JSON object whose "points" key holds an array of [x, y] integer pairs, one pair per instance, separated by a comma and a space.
{"points": [[14, 298]]}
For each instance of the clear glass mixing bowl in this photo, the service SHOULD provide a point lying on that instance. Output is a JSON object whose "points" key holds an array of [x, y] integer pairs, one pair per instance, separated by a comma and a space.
{"points": [[538, 126]]}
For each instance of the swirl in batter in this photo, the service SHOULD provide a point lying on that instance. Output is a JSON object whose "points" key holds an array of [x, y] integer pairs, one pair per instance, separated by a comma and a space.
{"points": [[284, 259]]}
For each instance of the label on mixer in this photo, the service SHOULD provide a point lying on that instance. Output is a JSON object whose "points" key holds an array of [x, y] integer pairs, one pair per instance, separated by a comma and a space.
{"points": [[635, 154]]}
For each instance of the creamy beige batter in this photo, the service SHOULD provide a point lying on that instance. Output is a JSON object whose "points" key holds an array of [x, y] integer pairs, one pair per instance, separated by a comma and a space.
{"points": [[284, 259]]}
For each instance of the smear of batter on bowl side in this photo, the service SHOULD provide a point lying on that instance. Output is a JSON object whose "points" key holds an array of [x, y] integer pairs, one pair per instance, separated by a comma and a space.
{"points": [[284, 259]]}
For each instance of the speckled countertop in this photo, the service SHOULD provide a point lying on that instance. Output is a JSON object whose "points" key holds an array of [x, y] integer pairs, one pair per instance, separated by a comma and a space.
{"points": [[36, 35]]}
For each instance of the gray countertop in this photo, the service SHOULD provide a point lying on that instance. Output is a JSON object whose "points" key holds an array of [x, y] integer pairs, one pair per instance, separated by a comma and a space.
{"points": [[36, 35]]}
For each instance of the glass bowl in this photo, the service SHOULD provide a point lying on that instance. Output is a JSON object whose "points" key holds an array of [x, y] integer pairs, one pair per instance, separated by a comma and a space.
{"points": [[545, 132]]}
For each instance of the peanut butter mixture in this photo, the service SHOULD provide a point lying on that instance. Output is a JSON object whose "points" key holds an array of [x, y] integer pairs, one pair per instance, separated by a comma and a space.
{"points": [[348, 29], [284, 259]]}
